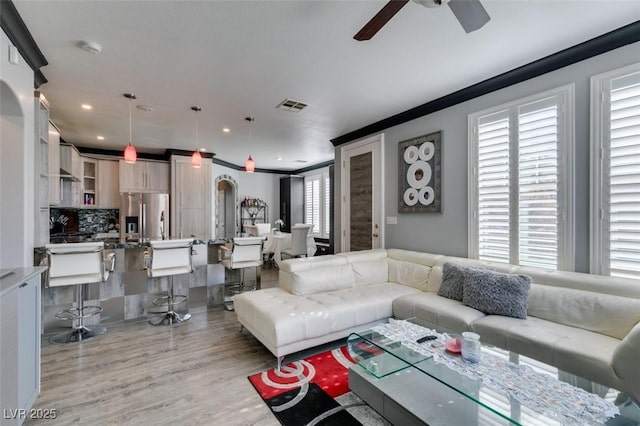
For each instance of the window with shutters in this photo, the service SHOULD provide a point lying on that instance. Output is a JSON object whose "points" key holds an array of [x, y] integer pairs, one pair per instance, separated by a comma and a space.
{"points": [[317, 203], [615, 168], [521, 181]]}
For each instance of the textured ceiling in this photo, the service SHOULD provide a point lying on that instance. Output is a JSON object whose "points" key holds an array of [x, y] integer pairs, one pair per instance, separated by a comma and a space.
{"points": [[242, 58]]}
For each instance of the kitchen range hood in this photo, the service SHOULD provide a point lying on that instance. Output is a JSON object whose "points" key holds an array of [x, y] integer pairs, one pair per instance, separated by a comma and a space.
{"points": [[70, 163]]}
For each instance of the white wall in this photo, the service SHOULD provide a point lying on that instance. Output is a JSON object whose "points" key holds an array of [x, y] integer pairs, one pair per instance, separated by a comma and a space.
{"points": [[16, 160], [446, 232], [265, 186]]}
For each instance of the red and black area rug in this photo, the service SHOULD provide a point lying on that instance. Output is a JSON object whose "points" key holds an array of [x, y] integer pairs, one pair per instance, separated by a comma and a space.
{"points": [[303, 392]]}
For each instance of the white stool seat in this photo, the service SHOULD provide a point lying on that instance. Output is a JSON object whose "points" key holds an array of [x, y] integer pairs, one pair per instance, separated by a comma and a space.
{"points": [[78, 264], [166, 259], [246, 252]]}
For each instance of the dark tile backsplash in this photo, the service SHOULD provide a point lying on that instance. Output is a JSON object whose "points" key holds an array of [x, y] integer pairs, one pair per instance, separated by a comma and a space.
{"points": [[91, 221]]}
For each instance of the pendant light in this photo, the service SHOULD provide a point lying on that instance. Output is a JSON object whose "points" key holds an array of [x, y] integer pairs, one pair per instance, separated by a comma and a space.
{"points": [[250, 166], [196, 157], [130, 154]]}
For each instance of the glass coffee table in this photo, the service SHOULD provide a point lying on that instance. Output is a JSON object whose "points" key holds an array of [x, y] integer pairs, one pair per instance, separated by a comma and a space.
{"points": [[421, 383]]}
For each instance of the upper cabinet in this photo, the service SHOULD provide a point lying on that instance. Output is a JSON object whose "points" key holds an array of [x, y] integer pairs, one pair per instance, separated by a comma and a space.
{"points": [[100, 183], [144, 176], [42, 170], [54, 165], [108, 187], [89, 182]]}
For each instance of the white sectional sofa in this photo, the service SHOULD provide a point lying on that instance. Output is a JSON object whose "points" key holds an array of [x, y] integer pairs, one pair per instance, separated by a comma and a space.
{"points": [[584, 324]]}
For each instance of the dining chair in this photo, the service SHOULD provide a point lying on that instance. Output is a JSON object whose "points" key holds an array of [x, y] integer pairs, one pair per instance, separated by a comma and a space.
{"points": [[78, 264], [298, 247], [246, 252]]}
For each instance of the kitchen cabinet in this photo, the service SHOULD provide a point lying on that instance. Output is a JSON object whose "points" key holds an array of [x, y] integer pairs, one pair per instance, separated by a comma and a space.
{"points": [[89, 179], [19, 341], [41, 170], [70, 175], [144, 176], [70, 162], [54, 165], [190, 198], [108, 184], [291, 201], [100, 183]]}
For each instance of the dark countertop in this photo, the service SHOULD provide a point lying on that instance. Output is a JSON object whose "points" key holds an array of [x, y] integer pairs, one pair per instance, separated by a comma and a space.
{"points": [[115, 243]]}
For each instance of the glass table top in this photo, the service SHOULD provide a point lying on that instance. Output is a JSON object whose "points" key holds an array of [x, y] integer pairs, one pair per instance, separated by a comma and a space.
{"points": [[519, 390]]}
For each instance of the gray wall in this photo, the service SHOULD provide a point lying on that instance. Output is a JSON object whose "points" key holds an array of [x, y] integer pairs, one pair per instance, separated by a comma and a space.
{"points": [[446, 232]]}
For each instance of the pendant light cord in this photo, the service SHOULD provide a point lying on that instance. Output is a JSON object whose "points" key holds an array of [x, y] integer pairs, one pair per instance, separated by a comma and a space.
{"points": [[129, 121]]}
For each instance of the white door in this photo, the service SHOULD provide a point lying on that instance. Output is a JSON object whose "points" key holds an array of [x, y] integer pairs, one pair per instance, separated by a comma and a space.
{"points": [[363, 195]]}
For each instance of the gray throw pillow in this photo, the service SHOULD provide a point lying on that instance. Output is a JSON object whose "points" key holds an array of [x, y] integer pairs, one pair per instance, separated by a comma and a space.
{"points": [[453, 277], [497, 293]]}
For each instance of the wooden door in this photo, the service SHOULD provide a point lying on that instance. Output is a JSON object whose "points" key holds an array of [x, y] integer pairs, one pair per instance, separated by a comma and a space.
{"points": [[362, 195]]}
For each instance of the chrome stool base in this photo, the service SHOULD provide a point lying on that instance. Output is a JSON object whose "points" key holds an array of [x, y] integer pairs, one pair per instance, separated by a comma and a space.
{"points": [[164, 300], [77, 335], [169, 318]]}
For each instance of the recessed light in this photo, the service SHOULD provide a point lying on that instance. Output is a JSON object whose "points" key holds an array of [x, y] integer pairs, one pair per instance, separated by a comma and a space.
{"points": [[86, 106], [203, 149], [279, 158], [226, 130], [100, 138]]}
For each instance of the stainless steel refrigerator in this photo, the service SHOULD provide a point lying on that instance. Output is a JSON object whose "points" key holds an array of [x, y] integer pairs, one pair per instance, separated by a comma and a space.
{"points": [[144, 217]]}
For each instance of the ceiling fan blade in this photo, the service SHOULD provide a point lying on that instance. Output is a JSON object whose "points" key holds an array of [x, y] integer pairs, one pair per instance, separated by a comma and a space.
{"points": [[470, 13], [381, 18]]}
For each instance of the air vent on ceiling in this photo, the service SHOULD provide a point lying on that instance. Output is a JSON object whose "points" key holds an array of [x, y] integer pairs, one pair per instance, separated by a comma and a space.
{"points": [[291, 105], [301, 161]]}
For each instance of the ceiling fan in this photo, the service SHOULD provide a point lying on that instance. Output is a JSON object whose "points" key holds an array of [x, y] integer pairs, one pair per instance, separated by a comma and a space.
{"points": [[470, 13]]}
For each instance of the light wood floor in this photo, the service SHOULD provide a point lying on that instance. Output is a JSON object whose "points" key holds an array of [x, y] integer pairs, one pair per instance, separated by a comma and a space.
{"points": [[137, 374]]}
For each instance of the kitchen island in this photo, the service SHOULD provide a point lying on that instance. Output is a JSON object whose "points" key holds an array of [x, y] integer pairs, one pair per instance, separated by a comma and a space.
{"points": [[128, 292]]}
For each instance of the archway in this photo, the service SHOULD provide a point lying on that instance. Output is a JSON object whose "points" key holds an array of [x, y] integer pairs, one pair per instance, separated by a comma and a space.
{"points": [[12, 190], [226, 207]]}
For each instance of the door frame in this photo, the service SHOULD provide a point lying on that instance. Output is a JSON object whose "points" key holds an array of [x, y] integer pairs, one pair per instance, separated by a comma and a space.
{"points": [[375, 145]]}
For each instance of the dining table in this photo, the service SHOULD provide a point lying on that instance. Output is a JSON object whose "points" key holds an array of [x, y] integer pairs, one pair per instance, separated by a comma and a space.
{"points": [[278, 241]]}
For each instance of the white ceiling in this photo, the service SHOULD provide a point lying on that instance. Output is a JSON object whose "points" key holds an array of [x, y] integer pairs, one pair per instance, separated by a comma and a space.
{"points": [[242, 58]]}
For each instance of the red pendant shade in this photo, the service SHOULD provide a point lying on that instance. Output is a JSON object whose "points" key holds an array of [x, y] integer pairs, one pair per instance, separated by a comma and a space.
{"points": [[249, 166], [196, 160], [130, 154]]}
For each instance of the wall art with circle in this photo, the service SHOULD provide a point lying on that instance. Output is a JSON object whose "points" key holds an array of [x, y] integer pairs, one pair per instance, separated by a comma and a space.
{"points": [[419, 174]]}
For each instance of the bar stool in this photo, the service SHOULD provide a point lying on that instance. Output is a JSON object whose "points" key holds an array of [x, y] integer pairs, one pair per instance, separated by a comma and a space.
{"points": [[245, 253], [78, 264], [169, 258]]}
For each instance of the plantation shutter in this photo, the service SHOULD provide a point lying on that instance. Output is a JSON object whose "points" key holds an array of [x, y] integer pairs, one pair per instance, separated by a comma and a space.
{"points": [[624, 177], [327, 206], [312, 203], [538, 184], [493, 187]]}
